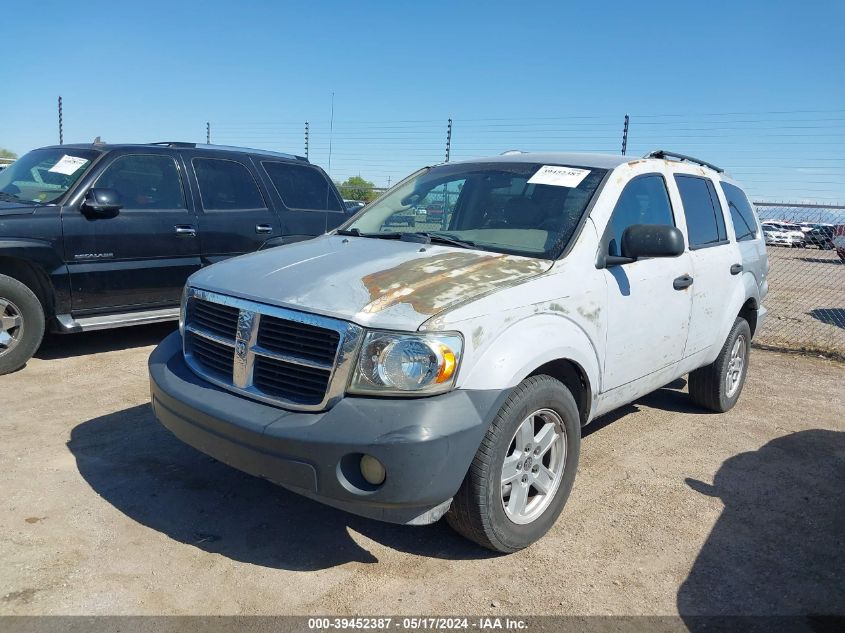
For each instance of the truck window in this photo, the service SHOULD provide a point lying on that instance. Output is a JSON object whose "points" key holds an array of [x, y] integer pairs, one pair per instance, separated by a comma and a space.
{"points": [[643, 201], [302, 187], [226, 185], [745, 225], [705, 221], [144, 181]]}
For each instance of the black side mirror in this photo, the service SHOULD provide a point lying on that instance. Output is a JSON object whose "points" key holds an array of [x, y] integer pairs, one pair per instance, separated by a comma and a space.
{"points": [[101, 203], [652, 240]]}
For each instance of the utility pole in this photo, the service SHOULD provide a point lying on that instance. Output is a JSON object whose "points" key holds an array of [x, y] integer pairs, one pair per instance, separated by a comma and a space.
{"points": [[306, 140], [207, 133], [625, 136], [61, 127], [331, 132], [448, 139], [388, 182]]}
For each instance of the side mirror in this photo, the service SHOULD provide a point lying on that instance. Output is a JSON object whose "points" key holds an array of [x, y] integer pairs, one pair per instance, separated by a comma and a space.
{"points": [[101, 203], [652, 240]]}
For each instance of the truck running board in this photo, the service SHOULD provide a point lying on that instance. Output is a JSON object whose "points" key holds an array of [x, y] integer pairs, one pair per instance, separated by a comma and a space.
{"points": [[68, 324]]}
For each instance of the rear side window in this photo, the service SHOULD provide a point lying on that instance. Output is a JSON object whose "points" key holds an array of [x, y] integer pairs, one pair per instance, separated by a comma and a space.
{"points": [[705, 220], [226, 185], [144, 181], [302, 187], [745, 224], [643, 201]]}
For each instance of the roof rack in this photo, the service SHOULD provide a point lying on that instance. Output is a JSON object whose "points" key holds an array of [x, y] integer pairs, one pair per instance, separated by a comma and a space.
{"points": [[662, 153], [175, 144]]}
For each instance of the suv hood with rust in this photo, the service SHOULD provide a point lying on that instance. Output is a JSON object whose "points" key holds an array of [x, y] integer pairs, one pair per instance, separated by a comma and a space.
{"points": [[373, 282]]}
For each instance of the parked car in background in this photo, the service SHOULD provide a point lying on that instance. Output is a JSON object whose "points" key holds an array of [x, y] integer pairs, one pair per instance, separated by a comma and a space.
{"points": [[820, 235], [839, 240], [102, 236], [407, 375], [353, 206], [784, 234]]}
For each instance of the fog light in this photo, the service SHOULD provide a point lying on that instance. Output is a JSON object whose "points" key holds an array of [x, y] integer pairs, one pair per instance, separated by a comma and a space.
{"points": [[372, 470]]}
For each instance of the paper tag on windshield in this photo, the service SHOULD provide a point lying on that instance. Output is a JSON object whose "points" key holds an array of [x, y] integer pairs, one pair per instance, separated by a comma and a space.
{"points": [[68, 165], [558, 176]]}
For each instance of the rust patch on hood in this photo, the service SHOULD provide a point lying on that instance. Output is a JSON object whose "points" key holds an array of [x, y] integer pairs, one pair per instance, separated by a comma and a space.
{"points": [[430, 284]]}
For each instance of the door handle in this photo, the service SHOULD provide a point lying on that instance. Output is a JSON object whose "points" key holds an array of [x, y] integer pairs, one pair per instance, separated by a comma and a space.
{"points": [[684, 281], [736, 269], [185, 229], [263, 228]]}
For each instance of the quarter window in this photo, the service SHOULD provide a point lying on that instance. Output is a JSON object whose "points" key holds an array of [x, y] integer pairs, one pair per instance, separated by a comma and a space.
{"points": [[643, 201], [705, 220], [226, 185], [302, 187], [145, 181], [745, 224]]}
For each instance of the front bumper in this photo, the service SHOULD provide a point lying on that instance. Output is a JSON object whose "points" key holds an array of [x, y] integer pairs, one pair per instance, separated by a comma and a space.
{"points": [[425, 444]]}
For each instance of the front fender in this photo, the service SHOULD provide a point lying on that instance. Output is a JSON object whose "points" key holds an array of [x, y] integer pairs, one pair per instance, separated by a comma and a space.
{"points": [[526, 345]]}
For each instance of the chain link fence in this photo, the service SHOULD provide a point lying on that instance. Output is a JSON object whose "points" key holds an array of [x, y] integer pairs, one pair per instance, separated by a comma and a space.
{"points": [[806, 299]]}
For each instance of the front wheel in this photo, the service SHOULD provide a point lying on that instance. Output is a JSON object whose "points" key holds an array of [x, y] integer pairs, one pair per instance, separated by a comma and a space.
{"points": [[21, 324], [717, 386], [524, 469]]}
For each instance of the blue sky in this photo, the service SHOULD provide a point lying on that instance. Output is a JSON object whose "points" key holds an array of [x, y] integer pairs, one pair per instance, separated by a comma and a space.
{"points": [[756, 86]]}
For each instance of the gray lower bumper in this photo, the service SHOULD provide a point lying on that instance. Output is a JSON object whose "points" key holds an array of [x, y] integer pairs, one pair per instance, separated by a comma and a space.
{"points": [[425, 444]]}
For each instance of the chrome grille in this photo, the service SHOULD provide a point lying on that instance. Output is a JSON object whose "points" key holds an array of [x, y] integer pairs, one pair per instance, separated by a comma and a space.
{"points": [[286, 357]]}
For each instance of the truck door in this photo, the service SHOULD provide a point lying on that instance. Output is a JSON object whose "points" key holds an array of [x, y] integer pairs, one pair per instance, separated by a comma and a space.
{"points": [[648, 303], [235, 216], [308, 202], [716, 262], [142, 255]]}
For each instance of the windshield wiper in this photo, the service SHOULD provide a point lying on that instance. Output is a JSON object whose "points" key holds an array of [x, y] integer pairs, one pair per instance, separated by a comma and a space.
{"points": [[10, 197], [379, 236], [443, 238]]}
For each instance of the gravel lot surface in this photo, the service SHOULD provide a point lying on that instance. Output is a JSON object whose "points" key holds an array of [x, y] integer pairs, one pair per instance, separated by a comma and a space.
{"points": [[104, 512]]}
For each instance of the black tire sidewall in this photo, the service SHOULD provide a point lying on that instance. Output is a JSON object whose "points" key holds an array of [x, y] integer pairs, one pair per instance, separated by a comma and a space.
{"points": [[32, 315], [740, 327], [544, 393]]}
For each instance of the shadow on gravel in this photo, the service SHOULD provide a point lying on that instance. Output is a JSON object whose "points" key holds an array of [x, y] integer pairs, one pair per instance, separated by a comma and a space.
{"points": [[829, 316], [817, 260], [668, 398], [57, 346], [135, 464], [779, 546]]}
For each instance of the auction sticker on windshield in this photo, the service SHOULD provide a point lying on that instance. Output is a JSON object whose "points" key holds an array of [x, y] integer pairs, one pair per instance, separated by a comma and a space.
{"points": [[558, 176], [68, 165]]}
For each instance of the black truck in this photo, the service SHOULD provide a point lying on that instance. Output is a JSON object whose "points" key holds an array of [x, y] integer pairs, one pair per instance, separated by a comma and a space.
{"points": [[101, 236]]}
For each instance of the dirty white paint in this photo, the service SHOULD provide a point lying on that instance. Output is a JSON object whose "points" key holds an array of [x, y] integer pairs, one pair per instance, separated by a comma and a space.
{"points": [[625, 326]]}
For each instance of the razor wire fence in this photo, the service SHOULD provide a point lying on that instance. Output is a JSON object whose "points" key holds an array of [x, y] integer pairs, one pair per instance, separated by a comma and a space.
{"points": [[795, 155]]}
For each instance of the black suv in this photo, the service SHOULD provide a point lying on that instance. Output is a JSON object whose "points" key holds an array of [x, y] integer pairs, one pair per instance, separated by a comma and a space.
{"points": [[101, 236]]}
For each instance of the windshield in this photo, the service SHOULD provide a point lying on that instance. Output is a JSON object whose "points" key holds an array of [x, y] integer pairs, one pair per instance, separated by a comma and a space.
{"points": [[44, 175], [527, 209]]}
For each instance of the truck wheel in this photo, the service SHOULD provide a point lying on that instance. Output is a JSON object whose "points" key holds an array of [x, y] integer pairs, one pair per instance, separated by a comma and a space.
{"points": [[718, 385], [524, 469], [21, 324]]}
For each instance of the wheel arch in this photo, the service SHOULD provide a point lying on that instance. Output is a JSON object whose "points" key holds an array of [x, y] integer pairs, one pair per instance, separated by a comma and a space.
{"points": [[32, 276], [575, 378]]}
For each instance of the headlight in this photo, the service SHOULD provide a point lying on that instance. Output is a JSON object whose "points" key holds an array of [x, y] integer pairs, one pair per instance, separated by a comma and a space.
{"points": [[400, 364], [182, 306]]}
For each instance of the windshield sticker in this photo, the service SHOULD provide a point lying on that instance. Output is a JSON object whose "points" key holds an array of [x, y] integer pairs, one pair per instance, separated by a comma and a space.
{"points": [[558, 176], [68, 165]]}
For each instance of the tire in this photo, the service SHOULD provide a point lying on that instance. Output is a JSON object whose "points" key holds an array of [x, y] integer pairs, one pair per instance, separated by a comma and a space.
{"points": [[709, 386], [478, 510], [21, 324]]}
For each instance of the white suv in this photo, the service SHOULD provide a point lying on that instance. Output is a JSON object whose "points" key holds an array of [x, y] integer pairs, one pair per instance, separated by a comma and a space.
{"points": [[404, 375]]}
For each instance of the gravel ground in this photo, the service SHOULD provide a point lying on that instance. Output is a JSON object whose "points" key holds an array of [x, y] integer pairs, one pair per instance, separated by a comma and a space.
{"points": [[104, 512]]}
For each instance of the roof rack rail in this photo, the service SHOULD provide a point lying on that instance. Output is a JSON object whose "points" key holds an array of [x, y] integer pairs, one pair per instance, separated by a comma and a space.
{"points": [[662, 153], [174, 144]]}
